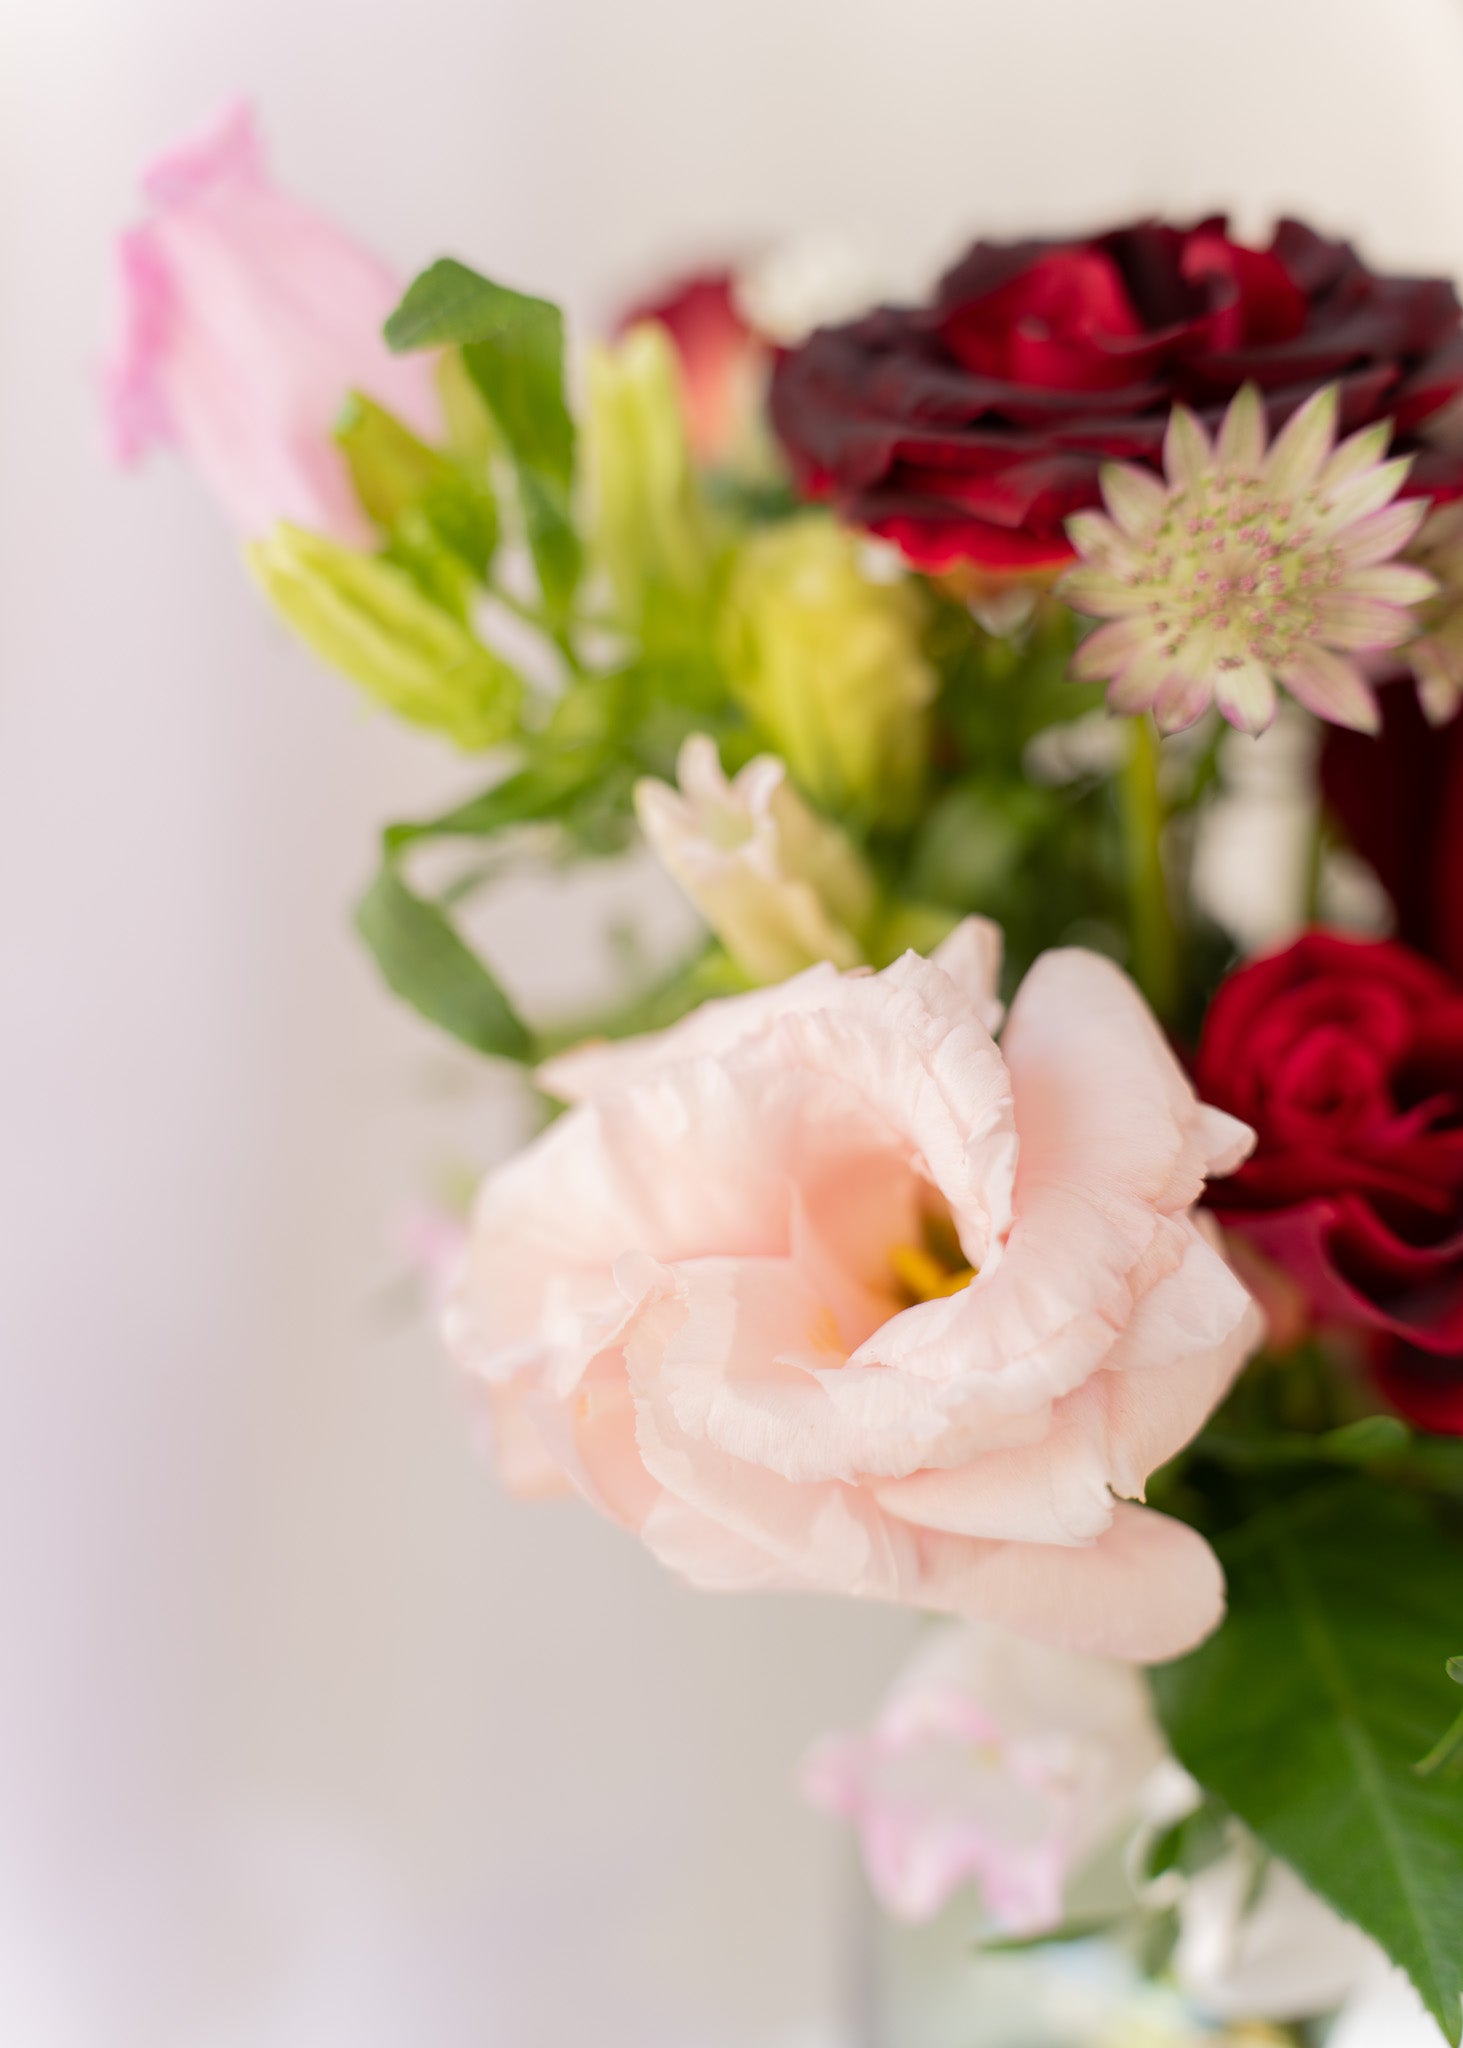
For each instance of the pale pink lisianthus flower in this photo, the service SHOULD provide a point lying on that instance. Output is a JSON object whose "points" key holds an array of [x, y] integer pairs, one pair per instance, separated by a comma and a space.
{"points": [[246, 320], [821, 1289], [996, 1762]]}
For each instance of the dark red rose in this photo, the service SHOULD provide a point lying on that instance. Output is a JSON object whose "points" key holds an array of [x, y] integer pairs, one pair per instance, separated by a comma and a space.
{"points": [[969, 430], [1399, 799], [1347, 1057], [722, 359]]}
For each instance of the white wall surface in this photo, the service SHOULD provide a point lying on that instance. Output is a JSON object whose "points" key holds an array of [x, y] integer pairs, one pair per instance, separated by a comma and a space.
{"points": [[307, 1737]]}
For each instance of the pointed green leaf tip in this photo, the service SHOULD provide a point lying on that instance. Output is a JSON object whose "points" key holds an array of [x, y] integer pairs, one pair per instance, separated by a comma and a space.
{"points": [[513, 347], [422, 958], [1307, 1711]]}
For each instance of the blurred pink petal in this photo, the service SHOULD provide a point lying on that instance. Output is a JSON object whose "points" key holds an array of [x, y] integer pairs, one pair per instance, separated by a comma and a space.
{"points": [[995, 1762], [723, 363], [246, 319]]}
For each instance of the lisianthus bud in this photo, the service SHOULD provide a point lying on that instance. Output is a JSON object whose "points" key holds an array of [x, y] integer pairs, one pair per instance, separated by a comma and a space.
{"points": [[829, 664], [246, 320], [649, 522], [368, 618], [781, 887]]}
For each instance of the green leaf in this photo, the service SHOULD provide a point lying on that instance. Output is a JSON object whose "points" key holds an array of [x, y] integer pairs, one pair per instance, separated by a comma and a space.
{"points": [[420, 953], [426, 963], [1307, 1711], [513, 349]]}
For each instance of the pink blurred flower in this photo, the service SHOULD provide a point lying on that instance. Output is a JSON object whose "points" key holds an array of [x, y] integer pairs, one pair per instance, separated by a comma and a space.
{"points": [[997, 1762], [723, 362], [820, 1289], [246, 318]]}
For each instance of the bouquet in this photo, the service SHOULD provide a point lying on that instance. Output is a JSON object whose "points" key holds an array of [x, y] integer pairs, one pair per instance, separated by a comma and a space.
{"points": [[973, 1218]]}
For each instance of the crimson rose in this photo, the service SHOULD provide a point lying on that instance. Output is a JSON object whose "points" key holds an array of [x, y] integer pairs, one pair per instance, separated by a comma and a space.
{"points": [[1347, 1057], [970, 429]]}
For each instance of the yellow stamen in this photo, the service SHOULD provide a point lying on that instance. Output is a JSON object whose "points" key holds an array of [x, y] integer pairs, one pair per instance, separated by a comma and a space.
{"points": [[922, 1276]]}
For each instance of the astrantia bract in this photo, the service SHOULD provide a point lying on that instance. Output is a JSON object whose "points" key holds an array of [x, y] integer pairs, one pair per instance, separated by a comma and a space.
{"points": [[1247, 567]]}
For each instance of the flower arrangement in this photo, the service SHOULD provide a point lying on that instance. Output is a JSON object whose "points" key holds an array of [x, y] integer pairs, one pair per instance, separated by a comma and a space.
{"points": [[965, 1223]]}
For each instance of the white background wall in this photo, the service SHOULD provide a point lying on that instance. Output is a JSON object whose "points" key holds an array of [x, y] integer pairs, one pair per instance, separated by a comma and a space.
{"points": [[306, 1736]]}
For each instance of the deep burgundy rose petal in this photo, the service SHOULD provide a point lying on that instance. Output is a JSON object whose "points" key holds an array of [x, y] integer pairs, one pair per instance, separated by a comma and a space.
{"points": [[1072, 300], [1037, 495], [1261, 302], [1150, 257], [1387, 795], [934, 541], [1083, 347], [1356, 1275], [1425, 1388]]}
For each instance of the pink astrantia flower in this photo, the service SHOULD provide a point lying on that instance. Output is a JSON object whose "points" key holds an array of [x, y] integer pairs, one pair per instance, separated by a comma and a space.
{"points": [[995, 1762], [821, 1289], [1246, 568], [246, 319]]}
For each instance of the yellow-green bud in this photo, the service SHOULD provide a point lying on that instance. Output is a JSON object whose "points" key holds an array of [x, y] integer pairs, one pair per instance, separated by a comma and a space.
{"points": [[368, 618], [648, 523], [828, 663], [391, 468]]}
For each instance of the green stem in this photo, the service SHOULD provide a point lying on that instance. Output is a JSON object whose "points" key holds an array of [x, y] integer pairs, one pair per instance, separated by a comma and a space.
{"points": [[1154, 934], [1443, 1750]]}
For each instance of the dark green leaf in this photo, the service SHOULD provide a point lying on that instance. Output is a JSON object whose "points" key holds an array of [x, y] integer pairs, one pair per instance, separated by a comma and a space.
{"points": [[513, 347], [415, 944], [1307, 1712], [426, 963], [513, 350]]}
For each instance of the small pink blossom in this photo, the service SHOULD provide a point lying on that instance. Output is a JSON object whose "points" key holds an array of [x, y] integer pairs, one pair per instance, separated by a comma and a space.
{"points": [[246, 319], [821, 1289], [995, 1762]]}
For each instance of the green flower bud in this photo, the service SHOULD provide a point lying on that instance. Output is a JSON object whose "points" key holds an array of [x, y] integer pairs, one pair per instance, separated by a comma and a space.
{"points": [[369, 619], [829, 665], [429, 504], [649, 529]]}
